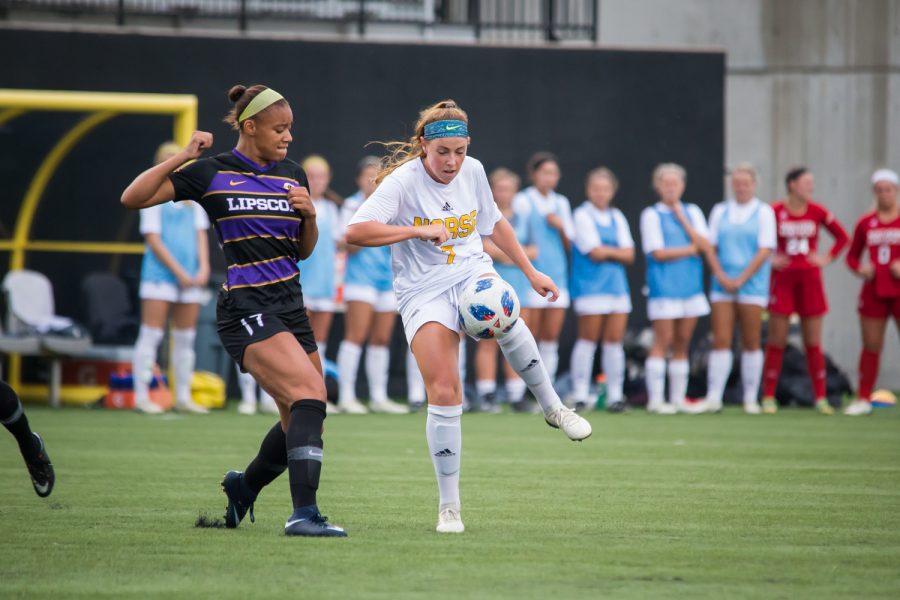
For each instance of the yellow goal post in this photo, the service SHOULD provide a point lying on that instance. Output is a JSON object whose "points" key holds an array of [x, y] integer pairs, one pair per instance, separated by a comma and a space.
{"points": [[99, 107]]}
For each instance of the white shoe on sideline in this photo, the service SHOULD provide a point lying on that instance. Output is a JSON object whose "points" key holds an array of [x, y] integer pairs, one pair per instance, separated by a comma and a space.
{"points": [[449, 520], [247, 408], [661, 409], [858, 408], [191, 407], [752, 408], [268, 405], [148, 408], [713, 407], [388, 406], [352, 407], [574, 426], [331, 408]]}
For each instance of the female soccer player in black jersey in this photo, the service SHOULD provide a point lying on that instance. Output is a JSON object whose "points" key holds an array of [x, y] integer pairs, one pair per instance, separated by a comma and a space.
{"points": [[259, 204]]}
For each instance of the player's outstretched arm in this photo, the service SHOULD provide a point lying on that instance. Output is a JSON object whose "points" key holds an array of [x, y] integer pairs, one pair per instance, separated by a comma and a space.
{"points": [[373, 233], [504, 237], [153, 186]]}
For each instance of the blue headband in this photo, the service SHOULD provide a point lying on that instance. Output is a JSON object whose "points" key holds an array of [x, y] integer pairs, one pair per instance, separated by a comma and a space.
{"points": [[448, 128]]}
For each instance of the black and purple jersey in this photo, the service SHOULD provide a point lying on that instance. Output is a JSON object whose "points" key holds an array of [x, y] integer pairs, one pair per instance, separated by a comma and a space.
{"points": [[257, 227]]}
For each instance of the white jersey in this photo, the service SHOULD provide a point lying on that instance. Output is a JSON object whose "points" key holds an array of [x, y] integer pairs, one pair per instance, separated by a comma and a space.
{"points": [[410, 197]]}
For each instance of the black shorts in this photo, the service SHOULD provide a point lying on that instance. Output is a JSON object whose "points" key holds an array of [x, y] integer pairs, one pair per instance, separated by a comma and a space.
{"points": [[241, 323]]}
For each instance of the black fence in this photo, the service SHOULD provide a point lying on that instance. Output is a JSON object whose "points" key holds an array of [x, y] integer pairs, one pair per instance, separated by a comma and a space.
{"points": [[550, 20]]}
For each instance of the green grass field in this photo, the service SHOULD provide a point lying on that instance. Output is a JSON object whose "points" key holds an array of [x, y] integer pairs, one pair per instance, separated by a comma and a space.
{"points": [[724, 506]]}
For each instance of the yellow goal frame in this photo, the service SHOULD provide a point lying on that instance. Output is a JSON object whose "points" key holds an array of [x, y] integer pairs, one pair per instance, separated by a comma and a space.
{"points": [[99, 107]]}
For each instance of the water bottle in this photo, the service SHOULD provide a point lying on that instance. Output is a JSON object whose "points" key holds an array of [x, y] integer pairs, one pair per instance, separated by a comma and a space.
{"points": [[601, 392]]}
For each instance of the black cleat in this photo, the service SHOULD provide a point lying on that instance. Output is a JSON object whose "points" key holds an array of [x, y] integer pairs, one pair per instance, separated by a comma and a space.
{"points": [[316, 525], [41, 471], [240, 499], [617, 407]]}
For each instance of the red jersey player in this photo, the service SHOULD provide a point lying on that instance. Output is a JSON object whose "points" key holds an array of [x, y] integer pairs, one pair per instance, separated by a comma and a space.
{"points": [[879, 233], [796, 285]]}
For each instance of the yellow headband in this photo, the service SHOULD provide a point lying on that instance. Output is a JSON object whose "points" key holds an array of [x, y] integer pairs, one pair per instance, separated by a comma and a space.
{"points": [[260, 102]]}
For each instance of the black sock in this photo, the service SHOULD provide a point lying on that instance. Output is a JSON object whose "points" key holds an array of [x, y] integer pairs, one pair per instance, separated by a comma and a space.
{"points": [[13, 418], [270, 462], [304, 450]]}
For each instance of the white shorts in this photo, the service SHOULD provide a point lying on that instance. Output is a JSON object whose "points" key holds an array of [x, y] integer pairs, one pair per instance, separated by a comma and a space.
{"points": [[319, 304], [382, 301], [677, 308], [169, 292], [602, 304], [534, 300], [716, 296], [443, 308]]}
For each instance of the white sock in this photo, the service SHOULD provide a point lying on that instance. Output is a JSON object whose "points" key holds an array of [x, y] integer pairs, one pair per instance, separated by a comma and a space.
{"points": [[348, 365], [143, 360], [415, 385], [378, 361], [751, 374], [550, 357], [614, 369], [581, 367], [322, 346], [719, 369], [655, 372], [444, 436], [678, 381], [515, 389], [184, 358], [248, 387], [485, 386], [521, 351]]}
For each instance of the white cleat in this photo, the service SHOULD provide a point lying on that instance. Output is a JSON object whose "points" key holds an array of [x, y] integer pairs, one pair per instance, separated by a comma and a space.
{"points": [[449, 520], [148, 408], [752, 408], [191, 407], [331, 408], [661, 409], [352, 407], [574, 426], [247, 408], [858, 408], [388, 406]]}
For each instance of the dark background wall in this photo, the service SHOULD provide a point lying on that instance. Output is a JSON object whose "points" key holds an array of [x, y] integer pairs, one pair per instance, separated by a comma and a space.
{"points": [[628, 110]]}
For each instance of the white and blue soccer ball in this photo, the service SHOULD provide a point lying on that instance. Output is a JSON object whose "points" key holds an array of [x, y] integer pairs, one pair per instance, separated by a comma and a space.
{"points": [[488, 308]]}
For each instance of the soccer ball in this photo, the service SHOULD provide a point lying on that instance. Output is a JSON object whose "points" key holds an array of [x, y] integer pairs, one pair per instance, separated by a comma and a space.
{"points": [[488, 308]]}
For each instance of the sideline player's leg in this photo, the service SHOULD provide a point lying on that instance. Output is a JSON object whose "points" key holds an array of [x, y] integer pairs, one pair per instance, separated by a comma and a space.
{"points": [[679, 368], [153, 318], [777, 339], [720, 357], [811, 330], [750, 316], [435, 346], [613, 360], [378, 358], [184, 321], [31, 445], [873, 331], [655, 367], [582, 360], [358, 321]]}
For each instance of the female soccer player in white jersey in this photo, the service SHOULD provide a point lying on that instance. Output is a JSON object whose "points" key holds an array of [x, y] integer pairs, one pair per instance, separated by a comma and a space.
{"points": [[371, 310], [742, 235], [603, 246], [549, 216], [434, 203], [674, 237]]}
